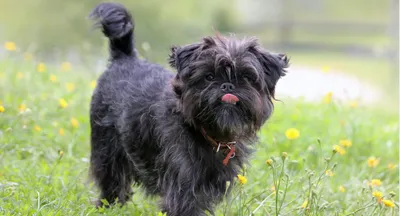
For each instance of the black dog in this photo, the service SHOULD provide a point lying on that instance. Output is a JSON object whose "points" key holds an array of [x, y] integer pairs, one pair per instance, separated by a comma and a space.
{"points": [[180, 135]]}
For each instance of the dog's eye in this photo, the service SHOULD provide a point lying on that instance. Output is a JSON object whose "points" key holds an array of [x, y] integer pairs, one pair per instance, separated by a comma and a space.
{"points": [[209, 77], [248, 78]]}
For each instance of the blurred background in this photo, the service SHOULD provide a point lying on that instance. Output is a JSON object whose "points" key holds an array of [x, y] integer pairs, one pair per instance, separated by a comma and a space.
{"points": [[348, 49]]}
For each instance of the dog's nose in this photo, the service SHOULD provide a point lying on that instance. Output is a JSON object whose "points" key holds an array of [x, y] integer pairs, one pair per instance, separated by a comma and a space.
{"points": [[227, 87]]}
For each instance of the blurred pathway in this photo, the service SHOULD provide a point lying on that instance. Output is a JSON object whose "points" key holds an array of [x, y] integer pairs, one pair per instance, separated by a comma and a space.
{"points": [[312, 84]]}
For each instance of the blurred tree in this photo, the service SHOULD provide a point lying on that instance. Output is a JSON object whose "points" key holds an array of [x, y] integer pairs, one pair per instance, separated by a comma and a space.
{"points": [[49, 26], [225, 20]]}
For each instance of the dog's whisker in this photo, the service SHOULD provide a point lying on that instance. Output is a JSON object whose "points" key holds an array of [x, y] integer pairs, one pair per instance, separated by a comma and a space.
{"points": [[202, 92]]}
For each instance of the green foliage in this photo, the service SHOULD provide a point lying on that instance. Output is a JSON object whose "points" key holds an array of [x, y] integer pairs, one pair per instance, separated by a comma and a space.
{"points": [[60, 26], [45, 151]]}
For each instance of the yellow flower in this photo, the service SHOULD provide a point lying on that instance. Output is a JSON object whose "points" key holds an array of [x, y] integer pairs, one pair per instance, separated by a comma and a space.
{"points": [[375, 182], [41, 67], [339, 150], [70, 87], [93, 84], [22, 107], [327, 98], [325, 69], [378, 195], [65, 66], [373, 162], [28, 56], [342, 189], [20, 75], [353, 104], [74, 123], [292, 133], [284, 154], [61, 154], [37, 128], [345, 143], [269, 162], [392, 166], [53, 78], [10, 46], [329, 172], [242, 179], [388, 203], [2, 109], [273, 188], [63, 103], [61, 132], [305, 203]]}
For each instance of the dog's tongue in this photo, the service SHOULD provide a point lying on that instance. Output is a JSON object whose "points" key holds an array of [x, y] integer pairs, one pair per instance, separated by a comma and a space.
{"points": [[230, 98]]}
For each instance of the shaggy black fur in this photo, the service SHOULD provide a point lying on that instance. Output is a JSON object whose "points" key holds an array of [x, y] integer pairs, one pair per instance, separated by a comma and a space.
{"points": [[146, 121]]}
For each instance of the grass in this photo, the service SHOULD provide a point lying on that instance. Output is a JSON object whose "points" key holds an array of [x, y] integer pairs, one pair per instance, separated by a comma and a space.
{"points": [[45, 149]]}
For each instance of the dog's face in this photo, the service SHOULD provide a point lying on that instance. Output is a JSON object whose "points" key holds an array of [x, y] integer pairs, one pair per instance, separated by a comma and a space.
{"points": [[226, 85]]}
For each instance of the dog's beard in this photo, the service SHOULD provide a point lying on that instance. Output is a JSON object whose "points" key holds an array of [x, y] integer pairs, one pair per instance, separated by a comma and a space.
{"points": [[225, 121]]}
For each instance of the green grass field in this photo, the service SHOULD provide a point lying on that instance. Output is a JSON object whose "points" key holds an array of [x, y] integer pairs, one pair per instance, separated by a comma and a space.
{"points": [[44, 153]]}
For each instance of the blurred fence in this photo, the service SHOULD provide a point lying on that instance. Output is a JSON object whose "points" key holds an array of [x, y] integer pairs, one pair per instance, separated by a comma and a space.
{"points": [[327, 24], [367, 28]]}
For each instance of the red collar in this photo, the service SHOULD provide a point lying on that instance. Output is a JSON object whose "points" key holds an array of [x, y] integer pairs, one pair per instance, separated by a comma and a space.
{"points": [[229, 146]]}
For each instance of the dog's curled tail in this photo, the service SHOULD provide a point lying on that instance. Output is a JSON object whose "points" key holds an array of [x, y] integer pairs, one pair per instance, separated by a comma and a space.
{"points": [[116, 23]]}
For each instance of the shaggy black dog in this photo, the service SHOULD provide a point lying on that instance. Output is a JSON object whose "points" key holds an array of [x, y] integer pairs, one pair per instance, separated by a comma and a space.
{"points": [[179, 135]]}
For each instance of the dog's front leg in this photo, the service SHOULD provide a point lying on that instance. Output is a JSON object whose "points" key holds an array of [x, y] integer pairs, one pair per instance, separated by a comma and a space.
{"points": [[184, 201], [185, 192]]}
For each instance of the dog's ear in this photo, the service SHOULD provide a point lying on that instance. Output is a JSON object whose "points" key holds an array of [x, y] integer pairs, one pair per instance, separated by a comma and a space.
{"points": [[179, 59], [181, 56], [274, 66]]}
